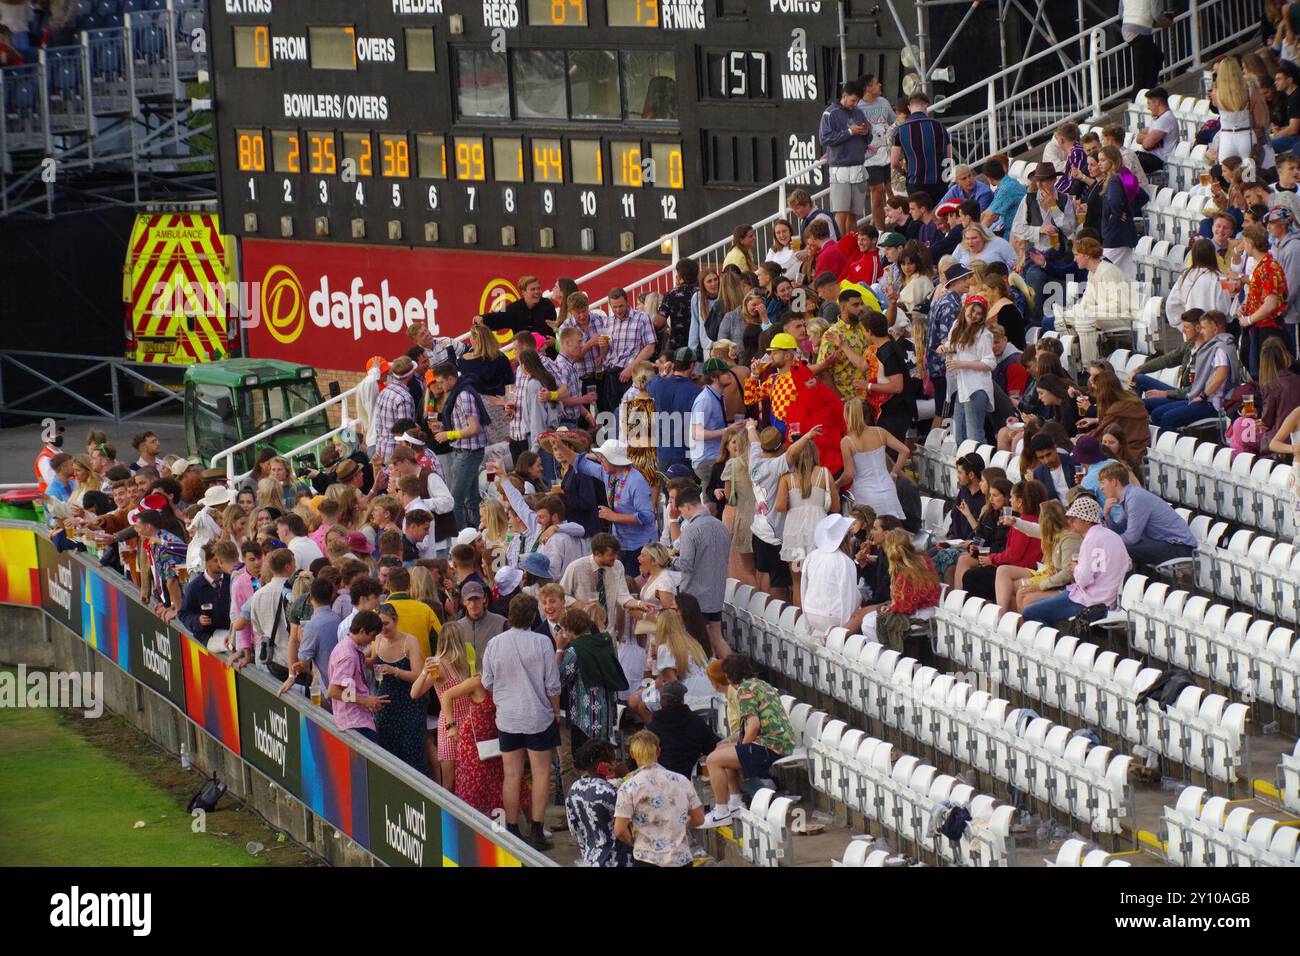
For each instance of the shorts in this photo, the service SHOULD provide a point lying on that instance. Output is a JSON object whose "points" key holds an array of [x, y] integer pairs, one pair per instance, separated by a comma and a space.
{"points": [[767, 558], [849, 189], [547, 739], [877, 175], [713, 617], [755, 760]]}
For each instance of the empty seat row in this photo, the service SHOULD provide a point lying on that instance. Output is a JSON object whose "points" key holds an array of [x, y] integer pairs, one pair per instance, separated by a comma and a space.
{"points": [[1252, 656], [906, 795], [763, 829], [1027, 752], [1071, 854], [860, 853], [1255, 570], [1208, 832], [1212, 478], [1030, 753], [1097, 686]]}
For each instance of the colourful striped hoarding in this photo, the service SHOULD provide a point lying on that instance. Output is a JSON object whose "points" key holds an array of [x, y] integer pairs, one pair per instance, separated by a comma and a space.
{"points": [[20, 576], [334, 781], [104, 620], [210, 694]]}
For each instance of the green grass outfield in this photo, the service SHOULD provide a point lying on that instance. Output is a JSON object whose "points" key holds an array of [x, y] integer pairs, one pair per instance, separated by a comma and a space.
{"points": [[63, 802]]}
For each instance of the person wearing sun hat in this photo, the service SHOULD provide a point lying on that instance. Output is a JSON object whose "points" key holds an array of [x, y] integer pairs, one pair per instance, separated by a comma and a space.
{"points": [[1099, 568], [630, 509], [830, 577]]}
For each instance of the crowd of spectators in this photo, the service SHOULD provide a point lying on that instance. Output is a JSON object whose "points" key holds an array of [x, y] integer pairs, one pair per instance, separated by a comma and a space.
{"points": [[529, 545]]}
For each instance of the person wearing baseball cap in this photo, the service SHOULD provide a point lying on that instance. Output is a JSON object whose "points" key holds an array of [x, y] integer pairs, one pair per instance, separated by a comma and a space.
{"points": [[631, 508], [476, 625], [674, 396], [1280, 223], [1099, 568], [708, 421]]}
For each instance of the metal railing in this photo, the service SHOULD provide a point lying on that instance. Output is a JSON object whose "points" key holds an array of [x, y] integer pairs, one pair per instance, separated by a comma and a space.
{"points": [[123, 86], [1016, 120], [118, 369], [346, 418]]}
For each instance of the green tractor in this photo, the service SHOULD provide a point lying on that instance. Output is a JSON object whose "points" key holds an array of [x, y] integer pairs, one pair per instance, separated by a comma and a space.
{"points": [[230, 401]]}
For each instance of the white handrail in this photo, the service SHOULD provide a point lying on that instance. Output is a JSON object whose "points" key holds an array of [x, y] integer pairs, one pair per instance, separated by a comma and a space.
{"points": [[341, 399], [801, 171]]}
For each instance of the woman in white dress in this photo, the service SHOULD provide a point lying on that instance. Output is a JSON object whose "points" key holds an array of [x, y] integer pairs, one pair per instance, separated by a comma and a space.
{"points": [[866, 467], [806, 494]]}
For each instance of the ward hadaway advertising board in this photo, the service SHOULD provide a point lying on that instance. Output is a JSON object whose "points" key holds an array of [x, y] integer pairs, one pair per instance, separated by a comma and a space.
{"points": [[269, 734]]}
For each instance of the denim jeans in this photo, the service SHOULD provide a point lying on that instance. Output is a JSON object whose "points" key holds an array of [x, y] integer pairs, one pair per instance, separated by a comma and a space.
{"points": [[1051, 610], [463, 485], [1147, 383], [1284, 144], [1178, 413], [969, 416]]}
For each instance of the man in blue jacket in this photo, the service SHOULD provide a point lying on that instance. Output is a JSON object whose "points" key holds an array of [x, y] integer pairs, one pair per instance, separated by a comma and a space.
{"points": [[205, 605], [843, 133], [1055, 470]]}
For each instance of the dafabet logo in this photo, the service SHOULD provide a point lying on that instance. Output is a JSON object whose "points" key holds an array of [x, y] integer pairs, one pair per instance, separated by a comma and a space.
{"points": [[282, 304]]}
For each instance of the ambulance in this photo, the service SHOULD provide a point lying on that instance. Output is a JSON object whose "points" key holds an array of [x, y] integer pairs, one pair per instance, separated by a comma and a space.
{"points": [[179, 290]]}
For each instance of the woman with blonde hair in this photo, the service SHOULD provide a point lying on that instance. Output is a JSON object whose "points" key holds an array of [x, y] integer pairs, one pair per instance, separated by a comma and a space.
{"points": [[440, 673], [659, 589], [806, 493], [490, 373], [309, 516], [866, 467], [913, 593], [270, 494], [352, 511], [636, 414], [422, 587], [83, 469], [731, 291], [673, 655], [1241, 128], [234, 525], [494, 524], [738, 514], [1016, 587]]}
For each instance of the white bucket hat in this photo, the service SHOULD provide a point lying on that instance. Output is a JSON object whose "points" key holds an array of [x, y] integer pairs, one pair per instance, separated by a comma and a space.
{"points": [[830, 532]]}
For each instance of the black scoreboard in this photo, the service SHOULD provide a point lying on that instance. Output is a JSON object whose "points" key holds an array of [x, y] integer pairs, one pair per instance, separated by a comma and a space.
{"points": [[572, 126]]}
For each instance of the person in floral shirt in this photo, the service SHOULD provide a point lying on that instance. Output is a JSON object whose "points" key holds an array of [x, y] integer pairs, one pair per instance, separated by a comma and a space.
{"points": [[655, 807], [1266, 296], [589, 807], [765, 737], [848, 330]]}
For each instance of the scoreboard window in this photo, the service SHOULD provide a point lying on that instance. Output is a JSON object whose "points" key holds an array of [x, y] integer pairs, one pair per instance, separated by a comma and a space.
{"points": [[667, 165], [419, 50], [557, 13], [470, 164], [394, 156], [539, 84], [548, 161], [253, 48], [507, 159], [584, 156], [737, 74], [431, 152], [286, 152], [358, 148], [321, 157], [593, 85], [251, 150], [626, 158], [333, 48], [650, 86], [632, 13], [482, 84]]}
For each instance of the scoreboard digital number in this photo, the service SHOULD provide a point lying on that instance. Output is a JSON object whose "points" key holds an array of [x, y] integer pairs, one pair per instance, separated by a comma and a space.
{"points": [[557, 13], [412, 123]]}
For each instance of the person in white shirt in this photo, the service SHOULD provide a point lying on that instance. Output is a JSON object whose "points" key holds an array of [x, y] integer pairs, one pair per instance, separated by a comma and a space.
{"points": [[1106, 303], [830, 591], [1157, 141], [1199, 287], [969, 361], [293, 532], [1045, 216]]}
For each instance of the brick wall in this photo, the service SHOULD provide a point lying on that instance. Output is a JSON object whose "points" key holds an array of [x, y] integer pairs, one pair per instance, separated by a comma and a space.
{"points": [[346, 381]]}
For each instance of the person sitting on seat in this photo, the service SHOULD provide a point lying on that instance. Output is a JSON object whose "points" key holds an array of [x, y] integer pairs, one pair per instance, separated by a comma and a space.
{"points": [[1106, 303], [1099, 567], [1152, 531]]}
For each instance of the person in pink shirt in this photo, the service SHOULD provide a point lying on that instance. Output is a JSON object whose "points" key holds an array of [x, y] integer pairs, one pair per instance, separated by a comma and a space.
{"points": [[354, 707], [1099, 568], [329, 517], [242, 585]]}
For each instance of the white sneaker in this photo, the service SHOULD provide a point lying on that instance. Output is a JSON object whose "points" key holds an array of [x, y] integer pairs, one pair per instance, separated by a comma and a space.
{"points": [[735, 802], [717, 817]]}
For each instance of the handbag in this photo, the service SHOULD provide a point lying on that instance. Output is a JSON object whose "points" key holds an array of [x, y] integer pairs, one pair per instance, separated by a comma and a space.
{"points": [[892, 627], [489, 749]]}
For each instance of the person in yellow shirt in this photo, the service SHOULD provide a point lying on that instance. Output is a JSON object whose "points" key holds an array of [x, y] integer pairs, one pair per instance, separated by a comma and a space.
{"points": [[775, 383], [413, 617], [848, 330]]}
